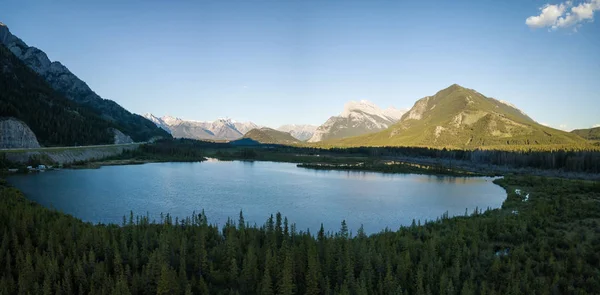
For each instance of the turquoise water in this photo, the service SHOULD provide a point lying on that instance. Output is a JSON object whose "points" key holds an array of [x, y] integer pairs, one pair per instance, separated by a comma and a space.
{"points": [[307, 197]]}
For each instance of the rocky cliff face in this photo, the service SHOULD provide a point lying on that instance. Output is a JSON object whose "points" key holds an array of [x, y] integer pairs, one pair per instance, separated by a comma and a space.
{"points": [[57, 75], [16, 134], [121, 138], [61, 79]]}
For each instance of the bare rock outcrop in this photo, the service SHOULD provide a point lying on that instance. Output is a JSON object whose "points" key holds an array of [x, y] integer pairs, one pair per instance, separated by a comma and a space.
{"points": [[16, 134], [121, 138]]}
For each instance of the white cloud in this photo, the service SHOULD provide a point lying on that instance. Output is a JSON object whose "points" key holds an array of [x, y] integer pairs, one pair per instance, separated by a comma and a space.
{"points": [[548, 17], [562, 126], [597, 125], [545, 124], [564, 15]]}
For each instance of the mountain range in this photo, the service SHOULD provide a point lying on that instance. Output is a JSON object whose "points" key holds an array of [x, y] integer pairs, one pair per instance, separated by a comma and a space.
{"points": [[63, 81], [300, 132], [459, 117], [221, 129], [357, 118], [42, 102]]}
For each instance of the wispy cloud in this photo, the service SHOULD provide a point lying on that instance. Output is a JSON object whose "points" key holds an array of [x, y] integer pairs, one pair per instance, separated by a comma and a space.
{"points": [[564, 15], [562, 126]]}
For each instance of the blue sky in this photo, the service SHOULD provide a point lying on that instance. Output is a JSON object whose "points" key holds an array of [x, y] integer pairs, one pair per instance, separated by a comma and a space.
{"points": [[278, 62]]}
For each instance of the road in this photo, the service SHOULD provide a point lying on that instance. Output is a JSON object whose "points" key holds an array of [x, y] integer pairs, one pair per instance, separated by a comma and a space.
{"points": [[48, 149]]}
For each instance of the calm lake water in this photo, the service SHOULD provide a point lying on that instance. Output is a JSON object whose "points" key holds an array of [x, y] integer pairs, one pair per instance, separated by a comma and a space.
{"points": [[307, 197]]}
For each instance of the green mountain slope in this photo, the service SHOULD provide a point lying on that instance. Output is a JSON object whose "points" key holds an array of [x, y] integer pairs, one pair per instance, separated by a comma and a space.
{"points": [[589, 134], [463, 118], [55, 120], [271, 136]]}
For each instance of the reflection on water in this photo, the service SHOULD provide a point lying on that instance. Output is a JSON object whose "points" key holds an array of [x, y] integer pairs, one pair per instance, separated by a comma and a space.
{"points": [[307, 197], [211, 159]]}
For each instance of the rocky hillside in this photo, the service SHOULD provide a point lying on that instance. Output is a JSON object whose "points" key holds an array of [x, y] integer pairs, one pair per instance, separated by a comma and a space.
{"points": [[54, 119], [300, 132], [66, 83], [589, 134], [358, 118], [221, 129], [270, 136], [464, 118], [16, 134]]}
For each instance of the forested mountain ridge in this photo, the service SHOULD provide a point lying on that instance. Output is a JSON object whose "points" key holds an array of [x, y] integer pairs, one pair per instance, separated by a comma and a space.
{"points": [[459, 117], [271, 136], [54, 119], [73, 88]]}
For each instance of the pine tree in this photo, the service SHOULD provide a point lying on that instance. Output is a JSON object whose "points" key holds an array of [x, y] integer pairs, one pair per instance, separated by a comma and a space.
{"points": [[249, 275], [286, 284], [312, 273], [266, 284], [168, 283]]}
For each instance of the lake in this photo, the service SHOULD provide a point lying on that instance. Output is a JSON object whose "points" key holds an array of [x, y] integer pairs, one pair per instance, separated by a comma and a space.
{"points": [[307, 197]]}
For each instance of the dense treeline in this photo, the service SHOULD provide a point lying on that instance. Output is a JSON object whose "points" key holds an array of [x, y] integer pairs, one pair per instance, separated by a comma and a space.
{"points": [[550, 246], [404, 168], [55, 120], [571, 160], [566, 159], [167, 150]]}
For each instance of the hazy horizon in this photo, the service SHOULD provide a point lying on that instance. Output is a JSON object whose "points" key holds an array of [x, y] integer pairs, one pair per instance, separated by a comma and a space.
{"points": [[276, 63]]}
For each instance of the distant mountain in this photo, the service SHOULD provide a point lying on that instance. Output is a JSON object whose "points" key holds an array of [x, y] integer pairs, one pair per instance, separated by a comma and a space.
{"points": [[589, 134], [158, 121], [31, 112], [244, 127], [69, 85], [270, 136], [301, 132], [358, 118], [463, 118], [221, 129]]}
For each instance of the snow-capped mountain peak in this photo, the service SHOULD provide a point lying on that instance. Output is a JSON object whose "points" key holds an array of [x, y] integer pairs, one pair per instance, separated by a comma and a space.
{"points": [[394, 113], [364, 106], [220, 129], [169, 120], [301, 132], [357, 118], [367, 107]]}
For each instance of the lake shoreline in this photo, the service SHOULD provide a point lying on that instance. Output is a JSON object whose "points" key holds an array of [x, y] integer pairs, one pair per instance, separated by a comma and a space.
{"points": [[223, 188]]}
